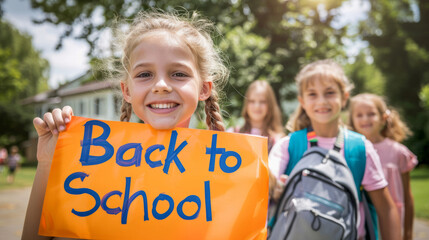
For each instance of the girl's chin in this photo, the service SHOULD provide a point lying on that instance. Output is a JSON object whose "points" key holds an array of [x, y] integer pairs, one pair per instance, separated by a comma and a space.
{"points": [[167, 125]]}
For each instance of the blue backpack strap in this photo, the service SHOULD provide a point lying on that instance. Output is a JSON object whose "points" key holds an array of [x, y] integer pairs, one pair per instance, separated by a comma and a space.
{"points": [[297, 146], [355, 155]]}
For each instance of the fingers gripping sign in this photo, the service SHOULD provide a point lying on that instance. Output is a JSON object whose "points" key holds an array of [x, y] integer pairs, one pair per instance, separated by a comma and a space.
{"points": [[48, 129]]}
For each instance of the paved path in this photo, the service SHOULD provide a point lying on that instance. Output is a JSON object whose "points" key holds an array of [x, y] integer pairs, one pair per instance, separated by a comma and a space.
{"points": [[13, 204]]}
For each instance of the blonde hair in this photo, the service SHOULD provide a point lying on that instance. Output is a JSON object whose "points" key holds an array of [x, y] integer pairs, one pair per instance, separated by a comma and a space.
{"points": [[394, 128], [319, 70], [273, 120], [195, 33]]}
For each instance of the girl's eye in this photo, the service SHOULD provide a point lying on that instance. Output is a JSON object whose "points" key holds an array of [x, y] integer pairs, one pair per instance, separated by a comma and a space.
{"points": [[144, 75], [330, 93], [179, 74]]}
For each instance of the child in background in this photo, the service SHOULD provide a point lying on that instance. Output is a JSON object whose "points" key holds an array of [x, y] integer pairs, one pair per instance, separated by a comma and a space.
{"points": [[262, 117], [13, 162], [169, 64], [370, 116], [3, 157], [261, 113], [323, 90]]}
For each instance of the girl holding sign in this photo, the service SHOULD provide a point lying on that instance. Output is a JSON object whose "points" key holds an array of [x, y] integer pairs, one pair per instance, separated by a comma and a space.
{"points": [[168, 65]]}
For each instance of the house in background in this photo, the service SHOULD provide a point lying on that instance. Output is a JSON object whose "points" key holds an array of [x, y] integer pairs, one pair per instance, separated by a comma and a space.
{"points": [[92, 99]]}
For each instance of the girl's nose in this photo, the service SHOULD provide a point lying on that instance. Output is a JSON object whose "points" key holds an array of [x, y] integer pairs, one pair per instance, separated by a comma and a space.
{"points": [[321, 100], [161, 86]]}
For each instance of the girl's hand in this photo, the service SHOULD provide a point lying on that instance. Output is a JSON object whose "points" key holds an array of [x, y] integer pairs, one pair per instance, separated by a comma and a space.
{"points": [[279, 187], [48, 130]]}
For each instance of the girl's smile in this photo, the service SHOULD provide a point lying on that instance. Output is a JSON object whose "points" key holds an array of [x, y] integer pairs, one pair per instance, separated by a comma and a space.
{"points": [[163, 107]]}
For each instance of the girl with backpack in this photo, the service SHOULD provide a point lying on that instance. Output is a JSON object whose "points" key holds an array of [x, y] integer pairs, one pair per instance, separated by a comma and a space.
{"points": [[370, 116], [323, 90]]}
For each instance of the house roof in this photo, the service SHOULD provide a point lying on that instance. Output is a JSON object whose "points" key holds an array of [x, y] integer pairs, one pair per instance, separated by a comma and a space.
{"points": [[69, 89]]}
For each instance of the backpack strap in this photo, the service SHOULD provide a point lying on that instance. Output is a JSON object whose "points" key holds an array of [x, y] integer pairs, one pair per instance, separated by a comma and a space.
{"points": [[355, 155], [297, 146]]}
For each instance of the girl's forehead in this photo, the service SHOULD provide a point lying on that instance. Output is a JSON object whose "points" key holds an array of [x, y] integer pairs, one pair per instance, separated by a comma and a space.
{"points": [[319, 81], [162, 42], [364, 104], [257, 93]]}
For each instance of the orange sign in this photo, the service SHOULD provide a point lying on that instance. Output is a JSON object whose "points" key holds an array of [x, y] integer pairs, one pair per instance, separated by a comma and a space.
{"points": [[115, 180]]}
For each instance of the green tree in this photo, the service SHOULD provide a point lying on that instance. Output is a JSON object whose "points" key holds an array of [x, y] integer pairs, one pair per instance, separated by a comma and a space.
{"points": [[281, 35], [397, 34], [23, 73], [365, 75]]}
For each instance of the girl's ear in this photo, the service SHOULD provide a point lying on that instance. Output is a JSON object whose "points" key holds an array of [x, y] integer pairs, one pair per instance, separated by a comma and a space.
{"points": [[206, 90], [384, 117], [125, 92], [301, 101], [346, 96]]}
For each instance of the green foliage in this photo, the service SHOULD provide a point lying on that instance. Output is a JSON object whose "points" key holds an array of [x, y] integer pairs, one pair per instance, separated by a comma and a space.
{"points": [[23, 73], [249, 61], [424, 96], [14, 123], [9, 76], [365, 76], [395, 30], [419, 183]]}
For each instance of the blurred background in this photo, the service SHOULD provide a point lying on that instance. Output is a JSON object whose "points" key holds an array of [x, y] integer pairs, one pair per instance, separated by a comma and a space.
{"points": [[47, 45], [51, 50]]}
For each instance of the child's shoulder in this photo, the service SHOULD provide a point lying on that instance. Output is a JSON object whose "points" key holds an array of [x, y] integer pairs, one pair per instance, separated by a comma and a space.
{"points": [[282, 142], [234, 129], [392, 145]]}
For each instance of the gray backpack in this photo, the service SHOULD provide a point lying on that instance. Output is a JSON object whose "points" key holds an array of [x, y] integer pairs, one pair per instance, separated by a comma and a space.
{"points": [[320, 198]]}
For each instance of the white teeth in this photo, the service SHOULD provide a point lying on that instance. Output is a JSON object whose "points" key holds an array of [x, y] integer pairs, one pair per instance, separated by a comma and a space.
{"points": [[323, 111], [163, 105]]}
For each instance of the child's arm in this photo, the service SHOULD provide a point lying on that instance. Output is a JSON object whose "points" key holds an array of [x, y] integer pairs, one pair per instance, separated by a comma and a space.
{"points": [[409, 206], [47, 130], [390, 227]]}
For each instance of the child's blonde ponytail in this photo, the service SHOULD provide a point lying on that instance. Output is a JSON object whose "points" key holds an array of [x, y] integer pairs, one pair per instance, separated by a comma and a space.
{"points": [[395, 128]]}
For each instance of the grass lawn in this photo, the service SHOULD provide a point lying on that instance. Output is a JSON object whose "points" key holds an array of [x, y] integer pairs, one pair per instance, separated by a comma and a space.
{"points": [[23, 178], [420, 189]]}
